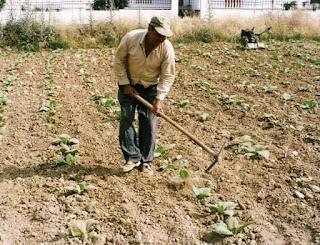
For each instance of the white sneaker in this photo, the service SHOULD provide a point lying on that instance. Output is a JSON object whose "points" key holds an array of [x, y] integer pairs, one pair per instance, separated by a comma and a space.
{"points": [[146, 168], [129, 166]]}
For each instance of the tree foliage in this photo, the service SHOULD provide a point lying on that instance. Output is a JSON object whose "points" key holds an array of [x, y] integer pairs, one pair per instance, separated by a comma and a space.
{"points": [[109, 4], [2, 2]]}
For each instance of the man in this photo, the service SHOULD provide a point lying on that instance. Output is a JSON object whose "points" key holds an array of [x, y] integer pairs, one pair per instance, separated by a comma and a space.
{"points": [[144, 64]]}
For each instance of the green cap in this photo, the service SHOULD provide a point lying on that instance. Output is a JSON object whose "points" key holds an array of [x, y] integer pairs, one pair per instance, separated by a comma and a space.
{"points": [[162, 25]]}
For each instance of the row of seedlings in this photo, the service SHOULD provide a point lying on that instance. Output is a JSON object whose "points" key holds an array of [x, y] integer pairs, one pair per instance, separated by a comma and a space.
{"points": [[7, 86], [50, 104]]}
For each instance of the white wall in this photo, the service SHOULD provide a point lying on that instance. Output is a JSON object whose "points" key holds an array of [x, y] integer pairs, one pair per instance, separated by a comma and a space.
{"points": [[83, 16]]}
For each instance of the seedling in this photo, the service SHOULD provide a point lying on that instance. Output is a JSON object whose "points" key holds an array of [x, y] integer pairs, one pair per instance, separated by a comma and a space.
{"points": [[198, 68], [80, 189], [162, 148], [307, 104], [298, 128], [183, 103], [286, 96], [256, 150], [204, 117], [201, 193], [83, 229], [232, 227], [105, 100], [269, 89], [48, 106], [116, 114], [245, 144], [247, 85], [249, 107], [183, 174], [224, 208], [221, 229]]}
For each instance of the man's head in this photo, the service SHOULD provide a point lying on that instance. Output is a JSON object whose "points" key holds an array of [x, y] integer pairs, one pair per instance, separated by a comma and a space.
{"points": [[158, 30]]}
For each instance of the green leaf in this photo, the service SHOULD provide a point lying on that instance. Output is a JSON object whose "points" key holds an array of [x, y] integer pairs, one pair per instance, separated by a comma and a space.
{"points": [[264, 153], [201, 193], [184, 103], [56, 141], [64, 138], [232, 224], [69, 159], [204, 117], [221, 229], [160, 149], [184, 174]]}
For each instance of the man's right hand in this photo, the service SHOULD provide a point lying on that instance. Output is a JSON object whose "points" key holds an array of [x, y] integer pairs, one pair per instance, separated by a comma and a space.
{"points": [[129, 90]]}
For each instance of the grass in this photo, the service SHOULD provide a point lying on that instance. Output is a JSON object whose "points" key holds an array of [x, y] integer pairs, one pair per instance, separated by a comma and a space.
{"points": [[296, 25]]}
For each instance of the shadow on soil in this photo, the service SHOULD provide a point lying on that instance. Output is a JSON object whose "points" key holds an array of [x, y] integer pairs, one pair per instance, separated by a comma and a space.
{"points": [[212, 238], [49, 170]]}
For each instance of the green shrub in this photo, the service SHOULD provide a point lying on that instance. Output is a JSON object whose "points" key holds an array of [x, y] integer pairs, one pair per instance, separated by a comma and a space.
{"points": [[2, 2], [29, 35]]}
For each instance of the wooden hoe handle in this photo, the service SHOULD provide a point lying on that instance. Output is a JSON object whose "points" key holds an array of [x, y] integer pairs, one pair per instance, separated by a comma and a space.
{"points": [[191, 136]]}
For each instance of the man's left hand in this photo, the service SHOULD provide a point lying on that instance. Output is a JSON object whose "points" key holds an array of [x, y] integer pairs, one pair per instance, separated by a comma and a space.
{"points": [[157, 107]]}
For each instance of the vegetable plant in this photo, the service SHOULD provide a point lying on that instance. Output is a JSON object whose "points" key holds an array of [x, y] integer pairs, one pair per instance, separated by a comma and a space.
{"points": [[201, 193], [162, 148], [224, 208], [232, 227], [83, 229], [307, 104], [80, 188]]}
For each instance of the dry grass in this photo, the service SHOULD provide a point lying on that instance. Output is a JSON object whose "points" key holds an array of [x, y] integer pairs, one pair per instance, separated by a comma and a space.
{"points": [[296, 25]]}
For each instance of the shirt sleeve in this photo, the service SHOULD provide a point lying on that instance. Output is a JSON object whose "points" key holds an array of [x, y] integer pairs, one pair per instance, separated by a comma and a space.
{"points": [[167, 73], [120, 61]]}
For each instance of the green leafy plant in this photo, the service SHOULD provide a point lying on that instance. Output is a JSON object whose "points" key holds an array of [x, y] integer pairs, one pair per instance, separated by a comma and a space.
{"points": [[269, 89], [307, 104], [83, 229], [116, 114], [183, 103], [204, 117], [224, 208], [105, 100], [80, 188], [251, 149], [231, 228], [162, 148], [183, 174], [298, 128], [69, 149], [198, 68], [201, 193], [221, 229]]}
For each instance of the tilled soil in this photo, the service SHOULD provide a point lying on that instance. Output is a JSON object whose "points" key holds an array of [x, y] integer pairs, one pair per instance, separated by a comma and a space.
{"points": [[244, 92]]}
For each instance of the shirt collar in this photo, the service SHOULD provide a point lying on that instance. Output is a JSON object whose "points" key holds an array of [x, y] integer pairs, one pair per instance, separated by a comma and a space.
{"points": [[143, 37]]}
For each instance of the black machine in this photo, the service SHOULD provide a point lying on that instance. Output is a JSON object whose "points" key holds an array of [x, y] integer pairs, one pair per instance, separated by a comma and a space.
{"points": [[250, 38]]}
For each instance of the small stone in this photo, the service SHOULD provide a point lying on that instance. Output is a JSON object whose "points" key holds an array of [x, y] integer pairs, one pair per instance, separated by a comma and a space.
{"points": [[315, 188], [253, 242], [239, 241], [252, 236], [295, 153], [298, 194], [139, 236], [178, 157]]}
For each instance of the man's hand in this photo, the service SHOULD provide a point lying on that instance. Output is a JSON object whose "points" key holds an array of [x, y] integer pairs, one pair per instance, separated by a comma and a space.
{"points": [[129, 90], [157, 107]]}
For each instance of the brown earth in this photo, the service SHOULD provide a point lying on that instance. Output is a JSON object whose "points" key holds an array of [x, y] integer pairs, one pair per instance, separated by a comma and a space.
{"points": [[279, 196]]}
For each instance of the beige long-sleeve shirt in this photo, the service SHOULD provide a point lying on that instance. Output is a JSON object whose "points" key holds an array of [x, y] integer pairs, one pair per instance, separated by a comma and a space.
{"points": [[132, 66]]}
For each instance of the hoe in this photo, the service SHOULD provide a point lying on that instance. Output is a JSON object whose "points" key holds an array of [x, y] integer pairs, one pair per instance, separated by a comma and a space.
{"points": [[216, 157]]}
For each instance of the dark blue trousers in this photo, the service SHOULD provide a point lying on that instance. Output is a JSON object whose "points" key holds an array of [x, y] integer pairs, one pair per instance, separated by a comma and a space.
{"points": [[143, 149]]}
